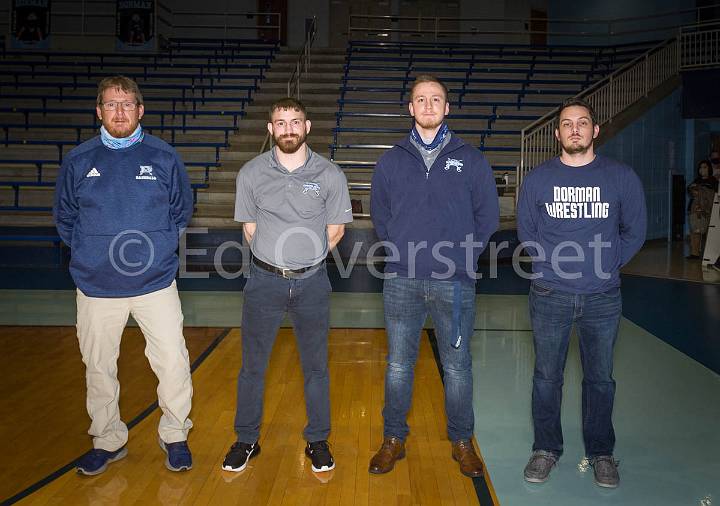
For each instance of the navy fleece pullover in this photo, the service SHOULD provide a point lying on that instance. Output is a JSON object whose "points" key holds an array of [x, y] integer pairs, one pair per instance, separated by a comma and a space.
{"points": [[438, 221], [588, 221], [121, 212]]}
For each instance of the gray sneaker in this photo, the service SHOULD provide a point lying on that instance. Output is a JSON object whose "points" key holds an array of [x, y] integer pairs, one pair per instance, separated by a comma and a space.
{"points": [[538, 468], [605, 471]]}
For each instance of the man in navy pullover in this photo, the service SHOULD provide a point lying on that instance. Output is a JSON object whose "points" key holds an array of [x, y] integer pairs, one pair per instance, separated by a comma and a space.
{"points": [[434, 203], [121, 201], [583, 217]]}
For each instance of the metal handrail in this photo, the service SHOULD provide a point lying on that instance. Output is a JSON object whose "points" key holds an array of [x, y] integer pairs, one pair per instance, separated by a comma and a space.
{"points": [[303, 61], [225, 25], [610, 96], [700, 45], [425, 25], [601, 83], [695, 46], [301, 67]]}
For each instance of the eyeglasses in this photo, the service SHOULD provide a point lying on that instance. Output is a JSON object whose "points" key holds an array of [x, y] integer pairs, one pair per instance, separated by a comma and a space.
{"points": [[126, 106], [715, 160]]}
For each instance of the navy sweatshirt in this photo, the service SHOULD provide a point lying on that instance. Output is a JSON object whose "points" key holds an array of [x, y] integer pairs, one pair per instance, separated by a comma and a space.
{"points": [[600, 207], [121, 212], [439, 210]]}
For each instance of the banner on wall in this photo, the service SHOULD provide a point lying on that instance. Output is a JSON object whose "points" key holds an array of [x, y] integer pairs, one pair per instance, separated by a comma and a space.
{"points": [[135, 25], [30, 24]]}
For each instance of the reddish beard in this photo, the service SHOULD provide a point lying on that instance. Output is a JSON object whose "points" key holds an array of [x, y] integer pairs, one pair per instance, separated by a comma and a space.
{"points": [[289, 144]]}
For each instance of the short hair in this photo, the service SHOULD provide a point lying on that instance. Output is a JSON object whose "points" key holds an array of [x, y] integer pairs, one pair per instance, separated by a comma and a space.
{"points": [[286, 104], [119, 83], [427, 78], [577, 102]]}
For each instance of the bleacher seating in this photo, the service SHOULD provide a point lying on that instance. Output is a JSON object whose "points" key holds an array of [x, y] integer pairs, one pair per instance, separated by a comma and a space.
{"points": [[195, 92], [494, 91]]}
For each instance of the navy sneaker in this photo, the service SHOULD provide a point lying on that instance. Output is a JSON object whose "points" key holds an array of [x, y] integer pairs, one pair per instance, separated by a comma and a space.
{"points": [[96, 460], [319, 453], [179, 457], [240, 453]]}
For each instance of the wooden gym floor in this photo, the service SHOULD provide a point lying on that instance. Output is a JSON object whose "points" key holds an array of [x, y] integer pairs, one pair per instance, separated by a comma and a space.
{"points": [[44, 424]]}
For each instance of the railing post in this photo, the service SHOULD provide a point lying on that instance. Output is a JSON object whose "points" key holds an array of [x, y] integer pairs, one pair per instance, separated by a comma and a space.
{"points": [[646, 72], [611, 92]]}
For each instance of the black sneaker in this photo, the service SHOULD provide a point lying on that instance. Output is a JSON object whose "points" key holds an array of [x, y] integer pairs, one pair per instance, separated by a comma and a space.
{"points": [[319, 453], [237, 458]]}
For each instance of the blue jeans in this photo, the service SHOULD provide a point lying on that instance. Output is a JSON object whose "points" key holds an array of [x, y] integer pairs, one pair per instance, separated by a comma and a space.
{"points": [[597, 317], [407, 303], [267, 297]]}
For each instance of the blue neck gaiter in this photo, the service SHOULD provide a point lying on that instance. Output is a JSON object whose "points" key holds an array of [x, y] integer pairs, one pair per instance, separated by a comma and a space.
{"points": [[438, 140], [113, 143]]}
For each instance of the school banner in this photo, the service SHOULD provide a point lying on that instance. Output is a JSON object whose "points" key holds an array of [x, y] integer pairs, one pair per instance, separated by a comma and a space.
{"points": [[30, 24], [135, 23]]}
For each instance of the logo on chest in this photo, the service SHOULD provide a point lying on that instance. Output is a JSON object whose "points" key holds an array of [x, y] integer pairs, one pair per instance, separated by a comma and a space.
{"points": [[452, 163], [146, 173], [311, 188]]}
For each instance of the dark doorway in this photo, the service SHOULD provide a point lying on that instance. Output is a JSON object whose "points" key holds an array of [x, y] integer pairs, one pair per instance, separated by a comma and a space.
{"points": [[271, 34], [538, 27]]}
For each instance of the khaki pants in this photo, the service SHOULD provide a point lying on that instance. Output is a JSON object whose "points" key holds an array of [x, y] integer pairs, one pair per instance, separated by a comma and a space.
{"points": [[100, 323]]}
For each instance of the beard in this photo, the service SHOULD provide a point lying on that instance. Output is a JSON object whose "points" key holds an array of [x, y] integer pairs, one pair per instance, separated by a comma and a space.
{"points": [[429, 123], [576, 147], [289, 144], [121, 130]]}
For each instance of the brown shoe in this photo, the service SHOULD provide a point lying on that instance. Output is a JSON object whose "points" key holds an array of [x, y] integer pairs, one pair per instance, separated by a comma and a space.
{"points": [[391, 450], [470, 464]]}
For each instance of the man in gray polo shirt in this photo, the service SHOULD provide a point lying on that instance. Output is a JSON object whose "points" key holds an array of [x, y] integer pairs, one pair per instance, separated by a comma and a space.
{"points": [[293, 205]]}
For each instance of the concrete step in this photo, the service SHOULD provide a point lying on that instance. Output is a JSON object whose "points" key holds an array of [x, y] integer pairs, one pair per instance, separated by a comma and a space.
{"points": [[330, 75], [310, 97], [26, 219], [280, 85], [216, 197], [214, 222]]}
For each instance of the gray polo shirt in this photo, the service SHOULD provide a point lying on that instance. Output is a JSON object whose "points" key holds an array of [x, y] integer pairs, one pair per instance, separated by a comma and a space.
{"points": [[292, 209]]}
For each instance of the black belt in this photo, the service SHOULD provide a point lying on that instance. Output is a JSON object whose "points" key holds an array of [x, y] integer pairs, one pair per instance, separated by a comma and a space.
{"points": [[285, 273]]}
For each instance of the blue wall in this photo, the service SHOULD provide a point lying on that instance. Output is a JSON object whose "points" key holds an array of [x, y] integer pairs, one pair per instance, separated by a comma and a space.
{"points": [[654, 145], [614, 9]]}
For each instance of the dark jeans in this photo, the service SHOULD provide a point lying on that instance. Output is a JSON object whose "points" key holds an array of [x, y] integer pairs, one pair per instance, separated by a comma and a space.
{"points": [[407, 303], [267, 297], [596, 317]]}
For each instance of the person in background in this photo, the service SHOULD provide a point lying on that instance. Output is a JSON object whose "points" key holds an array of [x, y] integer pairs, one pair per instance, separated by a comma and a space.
{"points": [[702, 191]]}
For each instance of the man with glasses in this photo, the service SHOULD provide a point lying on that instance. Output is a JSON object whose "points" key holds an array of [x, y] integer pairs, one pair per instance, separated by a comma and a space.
{"points": [[583, 217], [122, 199]]}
